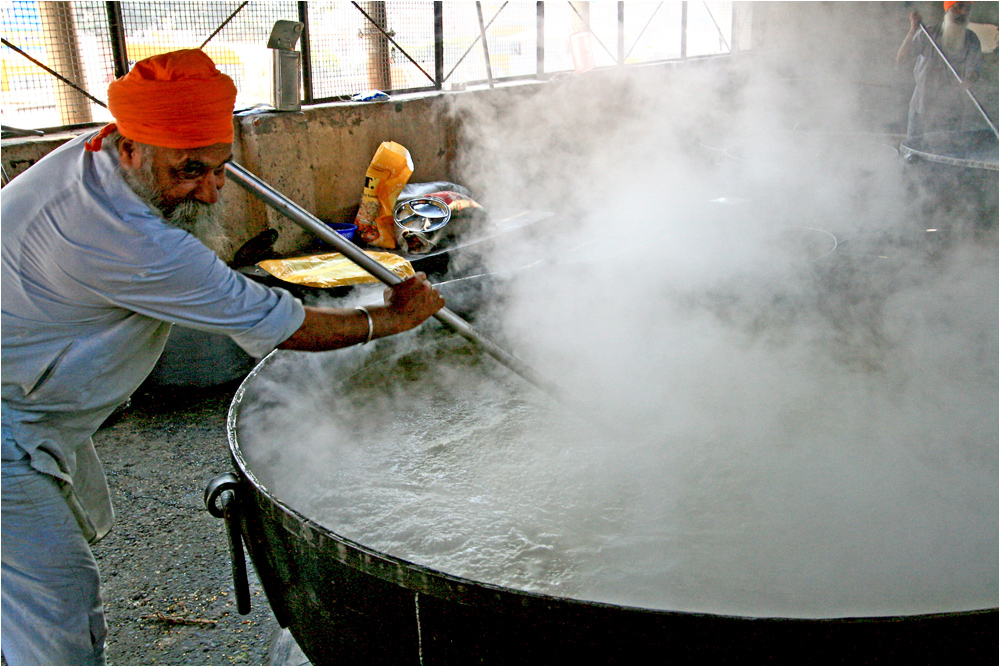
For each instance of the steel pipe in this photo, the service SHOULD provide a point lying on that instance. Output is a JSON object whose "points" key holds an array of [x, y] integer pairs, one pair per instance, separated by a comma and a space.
{"points": [[258, 188]]}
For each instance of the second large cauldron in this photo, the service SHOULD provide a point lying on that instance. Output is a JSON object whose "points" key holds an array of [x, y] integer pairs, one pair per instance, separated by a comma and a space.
{"points": [[959, 172]]}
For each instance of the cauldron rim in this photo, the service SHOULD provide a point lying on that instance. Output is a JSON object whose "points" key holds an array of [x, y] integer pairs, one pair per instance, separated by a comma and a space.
{"points": [[429, 581], [927, 147]]}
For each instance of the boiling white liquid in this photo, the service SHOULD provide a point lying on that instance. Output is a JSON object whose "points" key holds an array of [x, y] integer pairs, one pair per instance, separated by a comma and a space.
{"points": [[792, 479]]}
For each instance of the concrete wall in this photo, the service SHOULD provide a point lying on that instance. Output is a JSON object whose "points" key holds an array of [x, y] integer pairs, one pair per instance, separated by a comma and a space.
{"points": [[319, 157]]}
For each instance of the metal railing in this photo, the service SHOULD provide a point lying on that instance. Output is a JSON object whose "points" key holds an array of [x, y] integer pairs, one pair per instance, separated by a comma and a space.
{"points": [[58, 57]]}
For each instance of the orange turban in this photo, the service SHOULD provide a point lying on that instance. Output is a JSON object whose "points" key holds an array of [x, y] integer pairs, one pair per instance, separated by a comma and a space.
{"points": [[948, 5], [174, 100]]}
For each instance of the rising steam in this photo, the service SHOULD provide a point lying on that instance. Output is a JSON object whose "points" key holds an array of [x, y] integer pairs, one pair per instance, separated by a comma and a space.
{"points": [[784, 387]]}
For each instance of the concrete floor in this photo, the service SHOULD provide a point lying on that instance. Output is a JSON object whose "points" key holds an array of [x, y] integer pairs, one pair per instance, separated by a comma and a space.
{"points": [[165, 567]]}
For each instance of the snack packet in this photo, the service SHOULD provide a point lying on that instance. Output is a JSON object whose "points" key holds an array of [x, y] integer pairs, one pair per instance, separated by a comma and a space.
{"points": [[387, 174], [333, 269]]}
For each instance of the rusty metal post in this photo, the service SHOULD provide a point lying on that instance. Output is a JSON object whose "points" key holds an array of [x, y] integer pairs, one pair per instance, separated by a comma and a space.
{"points": [[486, 47], [379, 76], [581, 17], [59, 30]]}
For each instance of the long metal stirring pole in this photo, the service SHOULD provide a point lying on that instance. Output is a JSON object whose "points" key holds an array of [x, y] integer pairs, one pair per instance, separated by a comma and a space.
{"points": [[956, 75], [311, 223]]}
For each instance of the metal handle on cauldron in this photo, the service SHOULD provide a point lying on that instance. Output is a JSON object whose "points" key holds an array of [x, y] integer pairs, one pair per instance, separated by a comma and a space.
{"points": [[956, 75], [311, 223], [222, 502]]}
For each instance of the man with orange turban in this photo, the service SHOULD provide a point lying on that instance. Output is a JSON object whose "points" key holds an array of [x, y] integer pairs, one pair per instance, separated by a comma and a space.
{"points": [[98, 261], [938, 103]]}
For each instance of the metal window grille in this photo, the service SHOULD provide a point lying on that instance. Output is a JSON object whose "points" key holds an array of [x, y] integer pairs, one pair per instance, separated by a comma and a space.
{"points": [[651, 34], [71, 38], [341, 44], [709, 28], [58, 57], [238, 47], [511, 41]]}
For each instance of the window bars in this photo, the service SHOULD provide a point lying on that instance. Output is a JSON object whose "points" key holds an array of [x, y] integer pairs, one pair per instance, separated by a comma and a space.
{"points": [[58, 57]]}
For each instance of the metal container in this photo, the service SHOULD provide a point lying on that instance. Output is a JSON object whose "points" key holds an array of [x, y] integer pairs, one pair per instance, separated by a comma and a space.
{"points": [[286, 65], [420, 223], [973, 149], [959, 171], [346, 602], [287, 69]]}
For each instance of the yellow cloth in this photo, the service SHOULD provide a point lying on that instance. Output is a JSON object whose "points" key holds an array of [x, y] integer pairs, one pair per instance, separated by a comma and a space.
{"points": [[332, 269]]}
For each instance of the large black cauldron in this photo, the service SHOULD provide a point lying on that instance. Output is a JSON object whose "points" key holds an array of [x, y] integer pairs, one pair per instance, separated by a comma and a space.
{"points": [[959, 171], [346, 603]]}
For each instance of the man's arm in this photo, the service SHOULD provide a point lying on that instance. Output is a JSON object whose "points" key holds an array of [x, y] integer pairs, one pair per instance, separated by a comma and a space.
{"points": [[407, 305], [905, 53], [974, 59]]}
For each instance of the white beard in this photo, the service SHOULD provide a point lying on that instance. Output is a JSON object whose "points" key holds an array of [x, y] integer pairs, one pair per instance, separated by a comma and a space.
{"points": [[190, 215], [952, 34]]}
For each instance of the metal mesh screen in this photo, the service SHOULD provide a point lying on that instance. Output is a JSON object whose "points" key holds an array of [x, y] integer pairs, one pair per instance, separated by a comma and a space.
{"points": [[602, 22], [339, 38], [75, 40], [511, 39], [709, 28], [352, 49], [742, 20], [348, 47], [652, 31], [239, 48], [558, 28], [413, 30], [582, 35], [69, 37]]}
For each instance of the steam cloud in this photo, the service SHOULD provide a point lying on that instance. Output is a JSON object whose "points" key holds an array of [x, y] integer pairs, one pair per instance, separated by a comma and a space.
{"points": [[794, 385]]}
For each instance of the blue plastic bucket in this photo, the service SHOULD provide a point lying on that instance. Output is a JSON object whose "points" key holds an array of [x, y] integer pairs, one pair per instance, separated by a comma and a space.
{"points": [[345, 229]]}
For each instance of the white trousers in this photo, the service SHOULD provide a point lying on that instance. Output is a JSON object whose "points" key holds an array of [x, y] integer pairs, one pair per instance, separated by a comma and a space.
{"points": [[52, 613]]}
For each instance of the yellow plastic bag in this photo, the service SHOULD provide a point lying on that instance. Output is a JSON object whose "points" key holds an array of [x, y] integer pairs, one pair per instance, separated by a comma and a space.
{"points": [[388, 172], [332, 269]]}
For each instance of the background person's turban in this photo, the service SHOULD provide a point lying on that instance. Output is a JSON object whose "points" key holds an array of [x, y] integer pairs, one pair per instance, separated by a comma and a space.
{"points": [[174, 100]]}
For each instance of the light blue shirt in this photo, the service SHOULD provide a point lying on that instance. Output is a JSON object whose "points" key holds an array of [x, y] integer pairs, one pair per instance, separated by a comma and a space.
{"points": [[91, 281]]}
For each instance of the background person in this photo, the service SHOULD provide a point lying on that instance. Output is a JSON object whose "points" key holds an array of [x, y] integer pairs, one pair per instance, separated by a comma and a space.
{"points": [[97, 262], [939, 102]]}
